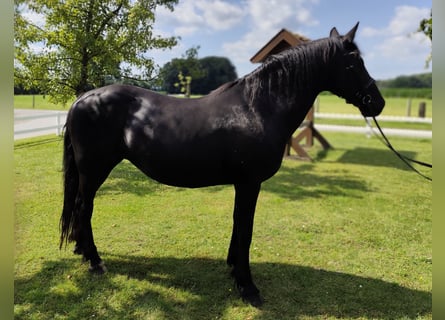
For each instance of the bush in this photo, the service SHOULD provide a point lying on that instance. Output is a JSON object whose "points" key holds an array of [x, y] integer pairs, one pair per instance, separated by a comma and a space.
{"points": [[425, 93]]}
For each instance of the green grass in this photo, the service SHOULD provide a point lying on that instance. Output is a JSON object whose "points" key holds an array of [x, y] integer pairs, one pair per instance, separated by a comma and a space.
{"points": [[329, 103], [347, 236], [40, 102]]}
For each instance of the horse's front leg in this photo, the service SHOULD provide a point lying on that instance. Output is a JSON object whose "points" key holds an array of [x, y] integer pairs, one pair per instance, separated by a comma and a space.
{"points": [[246, 196]]}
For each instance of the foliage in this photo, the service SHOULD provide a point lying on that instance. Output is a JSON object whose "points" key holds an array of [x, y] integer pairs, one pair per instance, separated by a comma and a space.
{"points": [[188, 66], [218, 70], [426, 26], [82, 42], [207, 73], [347, 236], [424, 80], [184, 84], [425, 93]]}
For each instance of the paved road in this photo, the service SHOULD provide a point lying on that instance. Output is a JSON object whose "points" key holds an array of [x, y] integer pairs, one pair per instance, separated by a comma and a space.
{"points": [[24, 127]]}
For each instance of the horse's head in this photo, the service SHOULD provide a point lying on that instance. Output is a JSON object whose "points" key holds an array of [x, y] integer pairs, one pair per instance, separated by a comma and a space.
{"points": [[352, 80]]}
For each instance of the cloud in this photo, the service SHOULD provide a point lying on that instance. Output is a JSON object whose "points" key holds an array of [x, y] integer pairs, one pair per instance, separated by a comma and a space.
{"points": [[267, 17], [405, 21], [193, 16], [399, 38], [273, 14], [220, 15], [243, 49], [397, 44]]}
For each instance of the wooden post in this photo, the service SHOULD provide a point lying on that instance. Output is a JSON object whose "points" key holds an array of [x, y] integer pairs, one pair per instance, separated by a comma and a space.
{"points": [[408, 107], [309, 135], [422, 109], [309, 132]]}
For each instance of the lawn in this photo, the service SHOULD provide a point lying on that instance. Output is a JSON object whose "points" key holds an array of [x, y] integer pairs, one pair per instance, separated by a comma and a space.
{"points": [[37, 102], [347, 236], [328, 103]]}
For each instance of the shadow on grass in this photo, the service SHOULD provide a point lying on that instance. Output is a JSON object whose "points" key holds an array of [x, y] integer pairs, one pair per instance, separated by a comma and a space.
{"points": [[28, 143], [303, 182], [376, 157], [370, 157], [125, 178], [199, 288]]}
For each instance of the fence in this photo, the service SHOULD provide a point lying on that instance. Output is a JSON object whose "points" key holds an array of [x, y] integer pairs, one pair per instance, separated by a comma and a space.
{"points": [[39, 124], [366, 129], [380, 118]]}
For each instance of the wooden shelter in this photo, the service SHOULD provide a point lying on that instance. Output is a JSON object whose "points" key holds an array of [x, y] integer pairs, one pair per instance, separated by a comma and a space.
{"points": [[282, 40], [285, 39]]}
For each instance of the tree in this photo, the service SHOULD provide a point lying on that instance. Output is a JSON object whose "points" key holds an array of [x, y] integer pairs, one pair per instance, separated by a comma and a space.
{"points": [[426, 26], [218, 70], [177, 75], [84, 42], [184, 84], [207, 73], [412, 81]]}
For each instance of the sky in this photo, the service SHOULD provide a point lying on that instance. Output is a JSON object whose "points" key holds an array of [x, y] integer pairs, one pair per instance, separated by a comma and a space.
{"points": [[386, 36]]}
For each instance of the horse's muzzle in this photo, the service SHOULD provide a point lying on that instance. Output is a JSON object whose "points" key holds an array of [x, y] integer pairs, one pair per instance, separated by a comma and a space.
{"points": [[371, 103]]}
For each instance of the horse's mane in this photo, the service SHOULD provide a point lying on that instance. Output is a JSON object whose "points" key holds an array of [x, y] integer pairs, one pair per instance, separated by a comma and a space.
{"points": [[224, 87], [296, 67]]}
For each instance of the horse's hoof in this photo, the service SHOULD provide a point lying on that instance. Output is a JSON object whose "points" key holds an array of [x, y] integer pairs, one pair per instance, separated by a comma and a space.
{"points": [[98, 268], [77, 250], [251, 296], [254, 300]]}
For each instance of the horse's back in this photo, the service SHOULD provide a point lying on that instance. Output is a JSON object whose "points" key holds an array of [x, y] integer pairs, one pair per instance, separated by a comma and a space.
{"points": [[213, 140]]}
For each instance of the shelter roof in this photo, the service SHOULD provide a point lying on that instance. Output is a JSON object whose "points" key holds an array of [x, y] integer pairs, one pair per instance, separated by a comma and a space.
{"points": [[282, 40]]}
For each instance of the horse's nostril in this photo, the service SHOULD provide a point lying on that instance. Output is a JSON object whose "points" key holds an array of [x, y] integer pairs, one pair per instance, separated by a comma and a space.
{"points": [[367, 99]]}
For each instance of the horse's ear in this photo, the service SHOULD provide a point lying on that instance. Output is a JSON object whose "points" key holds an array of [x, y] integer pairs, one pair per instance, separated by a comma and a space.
{"points": [[334, 32], [351, 34]]}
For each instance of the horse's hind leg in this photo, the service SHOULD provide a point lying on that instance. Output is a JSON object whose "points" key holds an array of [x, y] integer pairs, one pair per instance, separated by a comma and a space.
{"points": [[82, 230]]}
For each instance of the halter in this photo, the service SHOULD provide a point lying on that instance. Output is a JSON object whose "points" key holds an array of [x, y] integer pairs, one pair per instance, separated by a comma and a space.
{"points": [[365, 98], [361, 94]]}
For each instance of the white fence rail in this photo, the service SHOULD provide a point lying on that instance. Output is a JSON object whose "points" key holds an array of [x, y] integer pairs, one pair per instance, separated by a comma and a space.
{"points": [[52, 122], [46, 122], [380, 118], [366, 129]]}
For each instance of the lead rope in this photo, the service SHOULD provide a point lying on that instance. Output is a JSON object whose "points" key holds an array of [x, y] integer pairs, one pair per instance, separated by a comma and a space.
{"points": [[405, 159]]}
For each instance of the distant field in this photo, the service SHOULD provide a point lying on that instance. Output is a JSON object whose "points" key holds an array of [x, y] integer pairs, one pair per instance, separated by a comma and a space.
{"points": [[37, 102], [326, 104], [393, 107]]}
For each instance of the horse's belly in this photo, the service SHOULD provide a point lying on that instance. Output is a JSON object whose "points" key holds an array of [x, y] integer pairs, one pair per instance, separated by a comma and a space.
{"points": [[207, 161], [188, 175], [207, 169]]}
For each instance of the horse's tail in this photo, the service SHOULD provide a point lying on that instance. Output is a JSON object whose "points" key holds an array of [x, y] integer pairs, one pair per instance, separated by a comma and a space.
{"points": [[71, 185]]}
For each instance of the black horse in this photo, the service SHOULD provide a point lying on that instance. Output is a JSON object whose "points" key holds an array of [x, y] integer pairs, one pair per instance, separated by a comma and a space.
{"points": [[235, 135]]}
